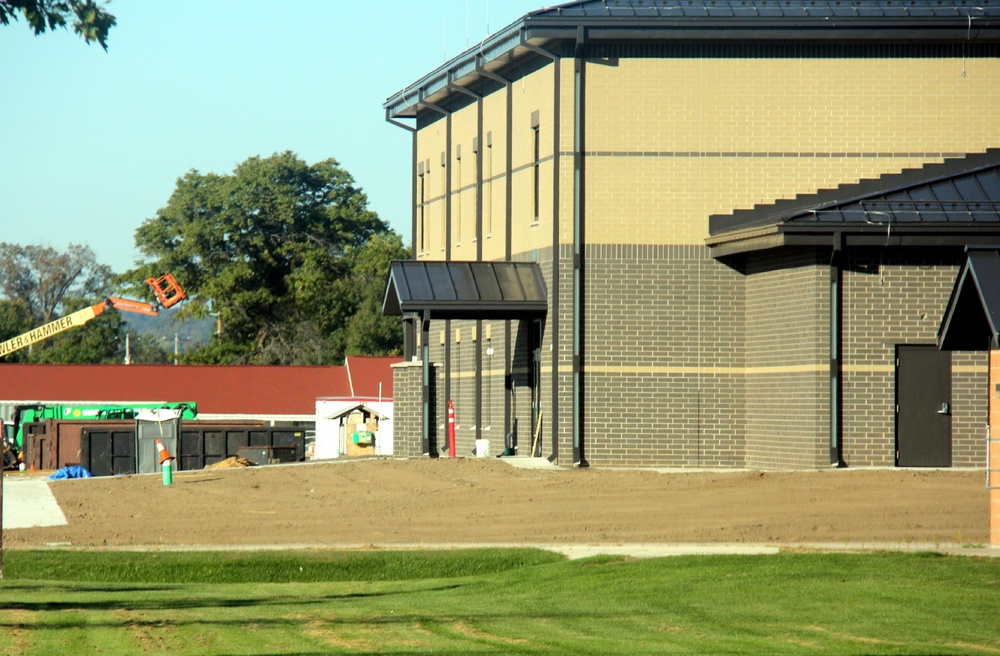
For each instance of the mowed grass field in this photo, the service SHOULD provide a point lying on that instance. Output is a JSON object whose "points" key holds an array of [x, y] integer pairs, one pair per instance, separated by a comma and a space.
{"points": [[507, 601]]}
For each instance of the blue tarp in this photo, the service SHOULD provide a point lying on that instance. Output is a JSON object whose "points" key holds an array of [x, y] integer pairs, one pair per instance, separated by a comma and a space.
{"points": [[72, 471]]}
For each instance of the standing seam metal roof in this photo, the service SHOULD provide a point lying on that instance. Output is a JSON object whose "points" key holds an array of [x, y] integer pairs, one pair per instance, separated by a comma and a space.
{"points": [[959, 190], [465, 290], [710, 20]]}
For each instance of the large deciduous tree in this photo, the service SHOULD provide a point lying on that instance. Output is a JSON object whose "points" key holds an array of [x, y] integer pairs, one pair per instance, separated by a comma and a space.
{"points": [[89, 19], [268, 249], [15, 318], [368, 330], [43, 278]]}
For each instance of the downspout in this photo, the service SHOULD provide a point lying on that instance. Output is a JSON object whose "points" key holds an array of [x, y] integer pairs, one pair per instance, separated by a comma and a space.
{"points": [[554, 320], [409, 325], [479, 243], [508, 219], [446, 165], [836, 450], [579, 241]]}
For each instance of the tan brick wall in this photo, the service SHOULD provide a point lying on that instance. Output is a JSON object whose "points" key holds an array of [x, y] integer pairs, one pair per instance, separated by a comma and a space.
{"points": [[494, 174], [463, 170], [712, 135]]}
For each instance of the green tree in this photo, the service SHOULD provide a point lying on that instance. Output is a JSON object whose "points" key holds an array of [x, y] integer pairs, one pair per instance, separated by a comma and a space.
{"points": [[43, 278], [90, 20], [39, 284], [146, 349], [15, 319], [100, 341], [264, 248], [367, 330]]}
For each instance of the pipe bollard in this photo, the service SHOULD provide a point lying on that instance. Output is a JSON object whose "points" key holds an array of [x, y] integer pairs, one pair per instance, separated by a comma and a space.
{"points": [[168, 473]]}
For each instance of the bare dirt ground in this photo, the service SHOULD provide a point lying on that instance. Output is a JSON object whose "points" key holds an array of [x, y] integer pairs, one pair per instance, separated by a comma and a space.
{"points": [[485, 501]]}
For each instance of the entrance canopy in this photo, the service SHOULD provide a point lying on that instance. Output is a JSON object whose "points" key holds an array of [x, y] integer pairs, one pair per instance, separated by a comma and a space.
{"points": [[972, 319], [466, 290]]}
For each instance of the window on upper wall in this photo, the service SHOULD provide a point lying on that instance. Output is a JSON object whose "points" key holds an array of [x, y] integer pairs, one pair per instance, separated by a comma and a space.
{"points": [[535, 166], [458, 194], [421, 210], [489, 184], [476, 185], [444, 199]]}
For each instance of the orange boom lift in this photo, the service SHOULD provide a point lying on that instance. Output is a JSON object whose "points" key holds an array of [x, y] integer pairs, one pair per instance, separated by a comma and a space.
{"points": [[168, 293]]}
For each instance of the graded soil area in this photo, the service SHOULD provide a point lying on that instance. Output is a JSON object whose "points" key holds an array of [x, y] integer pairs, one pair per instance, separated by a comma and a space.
{"points": [[388, 502]]}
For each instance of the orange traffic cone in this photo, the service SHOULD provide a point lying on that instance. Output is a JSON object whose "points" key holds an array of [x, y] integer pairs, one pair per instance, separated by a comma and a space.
{"points": [[162, 452]]}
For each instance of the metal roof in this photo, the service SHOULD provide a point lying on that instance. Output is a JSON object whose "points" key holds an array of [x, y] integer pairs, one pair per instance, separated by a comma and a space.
{"points": [[245, 390], [712, 21], [466, 290], [762, 12], [972, 318], [959, 197], [370, 376]]}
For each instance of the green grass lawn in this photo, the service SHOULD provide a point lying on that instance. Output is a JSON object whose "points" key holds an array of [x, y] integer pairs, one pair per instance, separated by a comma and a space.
{"points": [[496, 602]]}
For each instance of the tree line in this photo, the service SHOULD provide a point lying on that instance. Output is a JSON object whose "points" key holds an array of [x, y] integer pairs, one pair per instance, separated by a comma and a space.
{"points": [[284, 257]]}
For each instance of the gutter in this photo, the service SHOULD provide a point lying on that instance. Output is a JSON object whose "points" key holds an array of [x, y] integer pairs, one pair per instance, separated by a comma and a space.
{"points": [[966, 25]]}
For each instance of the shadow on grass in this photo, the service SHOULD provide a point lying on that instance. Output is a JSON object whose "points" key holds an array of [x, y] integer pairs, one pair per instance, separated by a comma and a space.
{"points": [[190, 603]]}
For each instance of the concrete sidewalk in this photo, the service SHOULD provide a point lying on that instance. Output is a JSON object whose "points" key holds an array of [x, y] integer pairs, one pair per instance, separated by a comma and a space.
{"points": [[28, 502]]}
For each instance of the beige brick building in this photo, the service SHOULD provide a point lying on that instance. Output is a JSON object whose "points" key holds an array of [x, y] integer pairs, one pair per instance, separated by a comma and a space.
{"points": [[701, 189]]}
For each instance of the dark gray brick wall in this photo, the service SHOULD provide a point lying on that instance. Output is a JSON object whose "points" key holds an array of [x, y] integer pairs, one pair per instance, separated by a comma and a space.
{"points": [[694, 363], [891, 297], [662, 365], [787, 345]]}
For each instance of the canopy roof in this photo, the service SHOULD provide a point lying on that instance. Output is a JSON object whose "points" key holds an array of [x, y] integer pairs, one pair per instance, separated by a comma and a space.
{"points": [[954, 203], [466, 290], [972, 319]]}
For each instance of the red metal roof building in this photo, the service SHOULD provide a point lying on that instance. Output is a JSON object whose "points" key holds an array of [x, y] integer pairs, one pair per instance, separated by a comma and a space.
{"points": [[371, 376], [267, 392]]}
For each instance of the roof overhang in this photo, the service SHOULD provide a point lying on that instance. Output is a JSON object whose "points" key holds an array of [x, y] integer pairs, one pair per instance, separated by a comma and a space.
{"points": [[932, 235], [348, 408], [557, 29], [952, 203], [972, 318], [465, 290]]}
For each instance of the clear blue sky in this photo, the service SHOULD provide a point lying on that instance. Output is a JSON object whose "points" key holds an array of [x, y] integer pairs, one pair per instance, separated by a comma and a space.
{"points": [[92, 143]]}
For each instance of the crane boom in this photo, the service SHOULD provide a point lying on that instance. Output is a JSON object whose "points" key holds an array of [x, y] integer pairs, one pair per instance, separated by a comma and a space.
{"points": [[165, 288], [45, 331]]}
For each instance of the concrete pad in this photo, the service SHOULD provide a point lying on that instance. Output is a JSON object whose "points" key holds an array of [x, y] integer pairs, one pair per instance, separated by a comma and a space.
{"points": [[29, 502], [524, 462]]}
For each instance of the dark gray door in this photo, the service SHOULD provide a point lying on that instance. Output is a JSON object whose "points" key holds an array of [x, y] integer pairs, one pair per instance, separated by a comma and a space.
{"points": [[923, 407]]}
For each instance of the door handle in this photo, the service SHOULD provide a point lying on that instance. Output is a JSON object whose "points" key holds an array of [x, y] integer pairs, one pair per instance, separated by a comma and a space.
{"points": [[945, 409]]}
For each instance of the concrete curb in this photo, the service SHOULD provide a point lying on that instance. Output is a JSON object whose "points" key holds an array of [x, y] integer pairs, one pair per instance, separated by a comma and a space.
{"points": [[576, 551]]}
